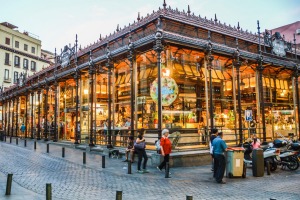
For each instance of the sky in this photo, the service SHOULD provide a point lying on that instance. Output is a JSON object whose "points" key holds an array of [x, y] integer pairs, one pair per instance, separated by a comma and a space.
{"points": [[56, 22]]}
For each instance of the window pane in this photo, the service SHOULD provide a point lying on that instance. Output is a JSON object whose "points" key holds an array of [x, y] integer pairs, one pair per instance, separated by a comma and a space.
{"points": [[25, 47], [16, 44], [32, 50], [7, 41]]}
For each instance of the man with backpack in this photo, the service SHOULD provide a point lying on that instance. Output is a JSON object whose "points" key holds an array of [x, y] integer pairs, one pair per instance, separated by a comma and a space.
{"points": [[165, 148]]}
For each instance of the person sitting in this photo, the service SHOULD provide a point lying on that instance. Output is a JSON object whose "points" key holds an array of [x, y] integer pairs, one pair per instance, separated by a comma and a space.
{"points": [[256, 143], [129, 150]]}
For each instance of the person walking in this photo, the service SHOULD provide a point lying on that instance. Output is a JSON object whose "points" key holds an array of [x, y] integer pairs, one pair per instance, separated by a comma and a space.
{"points": [[166, 148], [219, 147], [139, 147], [23, 128]]}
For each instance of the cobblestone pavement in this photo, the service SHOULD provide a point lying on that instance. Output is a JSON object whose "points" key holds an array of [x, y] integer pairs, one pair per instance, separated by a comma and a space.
{"points": [[71, 179]]}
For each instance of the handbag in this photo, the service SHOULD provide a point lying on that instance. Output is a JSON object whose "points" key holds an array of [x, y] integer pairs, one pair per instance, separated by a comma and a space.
{"points": [[140, 145]]}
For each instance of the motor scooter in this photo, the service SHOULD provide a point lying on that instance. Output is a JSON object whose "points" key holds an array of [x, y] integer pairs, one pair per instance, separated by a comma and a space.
{"points": [[287, 158], [269, 155]]}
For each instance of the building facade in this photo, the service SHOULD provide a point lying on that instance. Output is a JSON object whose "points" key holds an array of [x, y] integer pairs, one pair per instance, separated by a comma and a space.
{"points": [[170, 69], [19, 53]]}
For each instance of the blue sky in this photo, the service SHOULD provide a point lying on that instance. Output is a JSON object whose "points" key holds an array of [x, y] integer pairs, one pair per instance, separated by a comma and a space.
{"points": [[56, 22]]}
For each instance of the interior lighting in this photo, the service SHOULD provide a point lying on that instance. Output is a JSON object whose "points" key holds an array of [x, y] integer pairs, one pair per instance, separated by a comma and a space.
{"points": [[85, 92]]}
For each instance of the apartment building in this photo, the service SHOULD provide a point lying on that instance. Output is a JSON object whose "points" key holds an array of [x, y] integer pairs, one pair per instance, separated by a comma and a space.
{"points": [[20, 52]]}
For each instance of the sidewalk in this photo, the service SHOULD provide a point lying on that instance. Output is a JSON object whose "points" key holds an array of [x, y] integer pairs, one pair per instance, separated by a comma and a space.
{"points": [[71, 179]]}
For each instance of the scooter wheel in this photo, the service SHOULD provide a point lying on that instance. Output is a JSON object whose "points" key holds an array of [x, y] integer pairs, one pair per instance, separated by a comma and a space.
{"points": [[293, 164]]}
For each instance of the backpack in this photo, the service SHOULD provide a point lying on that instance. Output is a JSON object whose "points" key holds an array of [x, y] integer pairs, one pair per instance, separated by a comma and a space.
{"points": [[157, 145]]}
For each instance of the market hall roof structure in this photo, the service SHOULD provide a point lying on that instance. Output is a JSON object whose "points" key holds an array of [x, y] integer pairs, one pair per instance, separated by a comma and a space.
{"points": [[182, 28]]}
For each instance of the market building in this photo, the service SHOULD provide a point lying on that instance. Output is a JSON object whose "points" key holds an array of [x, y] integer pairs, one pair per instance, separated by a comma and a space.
{"points": [[170, 69]]}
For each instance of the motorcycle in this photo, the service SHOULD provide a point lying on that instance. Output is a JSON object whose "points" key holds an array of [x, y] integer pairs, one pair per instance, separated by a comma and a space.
{"points": [[286, 158], [269, 155]]}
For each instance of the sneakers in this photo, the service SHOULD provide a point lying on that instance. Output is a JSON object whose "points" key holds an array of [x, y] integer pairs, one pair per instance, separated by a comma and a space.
{"points": [[140, 171], [222, 182], [159, 169], [145, 171], [125, 160]]}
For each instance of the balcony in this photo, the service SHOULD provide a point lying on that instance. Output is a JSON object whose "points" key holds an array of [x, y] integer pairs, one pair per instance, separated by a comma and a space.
{"points": [[7, 80], [7, 62]]}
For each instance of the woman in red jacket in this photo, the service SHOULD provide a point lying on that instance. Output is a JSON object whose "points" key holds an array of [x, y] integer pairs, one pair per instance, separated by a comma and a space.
{"points": [[166, 147]]}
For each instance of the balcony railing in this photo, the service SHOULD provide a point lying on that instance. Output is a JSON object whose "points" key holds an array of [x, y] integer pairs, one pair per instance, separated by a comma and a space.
{"points": [[7, 62], [7, 80]]}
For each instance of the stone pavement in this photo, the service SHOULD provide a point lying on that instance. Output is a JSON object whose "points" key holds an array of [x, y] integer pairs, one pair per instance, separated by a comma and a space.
{"points": [[71, 179]]}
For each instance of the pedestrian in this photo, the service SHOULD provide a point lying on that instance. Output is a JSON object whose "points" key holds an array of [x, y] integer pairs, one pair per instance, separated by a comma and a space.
{"points": [[129, 151], [213, 135], [256, 143], [166, 148], [140, 148], [23, 128], [219, 147]]}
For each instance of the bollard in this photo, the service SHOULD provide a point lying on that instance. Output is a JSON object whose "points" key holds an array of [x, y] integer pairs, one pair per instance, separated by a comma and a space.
{"points": [[17, 141], [84, 157], [8, 184], [167, 170], [268, 168], [25, 143], [189, 197], [47, 148], [119, 195], [103, 161], [48, 191], [129, 167], [34, 144], [10, 139], [63, 152]]}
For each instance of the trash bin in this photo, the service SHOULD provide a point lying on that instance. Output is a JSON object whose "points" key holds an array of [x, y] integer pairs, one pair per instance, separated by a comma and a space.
{"points": [[235, 162], [258, 168]]}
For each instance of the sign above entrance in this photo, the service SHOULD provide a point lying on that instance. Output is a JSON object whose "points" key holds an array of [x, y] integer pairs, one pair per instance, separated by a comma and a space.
{"points": [[169, 90]]}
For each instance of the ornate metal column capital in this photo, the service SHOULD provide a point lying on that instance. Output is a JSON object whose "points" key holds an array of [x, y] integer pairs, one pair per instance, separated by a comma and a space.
{"points": [[158, 47]]}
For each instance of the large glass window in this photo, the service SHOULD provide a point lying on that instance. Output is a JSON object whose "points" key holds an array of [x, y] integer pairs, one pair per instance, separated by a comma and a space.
{"points": [[25, 63], [17, 61]]}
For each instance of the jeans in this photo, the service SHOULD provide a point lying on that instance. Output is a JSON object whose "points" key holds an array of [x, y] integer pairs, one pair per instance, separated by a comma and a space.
{"points": [[219, 167], [141, 154], [163, 164]]}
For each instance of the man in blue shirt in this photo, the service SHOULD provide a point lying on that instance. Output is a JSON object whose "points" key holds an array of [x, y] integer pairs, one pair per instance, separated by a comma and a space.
{"points": [[219, 147]]}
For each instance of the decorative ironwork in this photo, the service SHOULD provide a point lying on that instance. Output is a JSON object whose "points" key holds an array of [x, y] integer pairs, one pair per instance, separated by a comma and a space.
{"points": [[277, 43]]}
